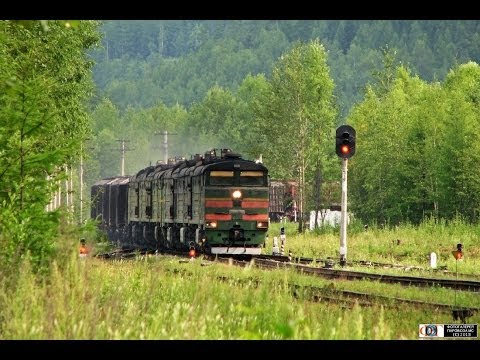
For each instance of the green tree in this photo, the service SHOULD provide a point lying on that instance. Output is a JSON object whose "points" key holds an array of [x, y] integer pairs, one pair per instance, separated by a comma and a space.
{"points": [[180, 60], [417, 149], [391, 171], [459, 173], [251, 96], [298, 118], [44, 82]]}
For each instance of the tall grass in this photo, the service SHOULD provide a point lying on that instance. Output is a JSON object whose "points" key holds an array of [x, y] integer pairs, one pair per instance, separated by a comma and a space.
{"points": [[160, 298], [407, 244]]}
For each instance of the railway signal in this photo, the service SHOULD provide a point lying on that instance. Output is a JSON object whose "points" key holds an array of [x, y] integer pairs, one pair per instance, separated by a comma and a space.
{"points": [[458, 254], [192, 253], [345, 148], [83, 248], [345, 141]]}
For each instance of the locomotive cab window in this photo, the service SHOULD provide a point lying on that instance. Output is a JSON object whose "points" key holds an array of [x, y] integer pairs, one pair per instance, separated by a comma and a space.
{"points": [[252, 178], [221, 178]]}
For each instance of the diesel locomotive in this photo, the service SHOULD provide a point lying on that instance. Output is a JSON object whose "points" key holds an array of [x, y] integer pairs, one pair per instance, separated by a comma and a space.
{"points": [[215, 203]]}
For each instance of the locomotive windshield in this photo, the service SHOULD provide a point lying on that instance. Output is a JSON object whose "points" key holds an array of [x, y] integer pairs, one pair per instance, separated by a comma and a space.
{"points": [[251, 178], [222, 178], [237, 178]]}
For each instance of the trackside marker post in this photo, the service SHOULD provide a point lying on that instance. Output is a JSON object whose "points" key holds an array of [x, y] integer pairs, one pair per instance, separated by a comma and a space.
{"points": [[433, 260], [275, 250]]}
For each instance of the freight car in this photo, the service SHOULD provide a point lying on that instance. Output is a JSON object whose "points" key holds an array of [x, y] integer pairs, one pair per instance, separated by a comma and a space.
{"points": [[282, 197], [216, 203]]}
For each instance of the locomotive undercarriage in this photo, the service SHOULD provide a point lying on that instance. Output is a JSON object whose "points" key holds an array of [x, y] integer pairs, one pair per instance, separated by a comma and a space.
{"points": [[156, 237], [178, 237]]}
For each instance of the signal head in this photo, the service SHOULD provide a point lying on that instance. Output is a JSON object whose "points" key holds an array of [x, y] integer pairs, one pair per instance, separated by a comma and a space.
{"points": [[345, 141]]}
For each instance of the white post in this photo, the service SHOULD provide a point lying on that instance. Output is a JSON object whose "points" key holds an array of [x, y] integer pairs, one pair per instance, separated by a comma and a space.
{"points": [[433, 260], [81, 184], [275, 249], [343, 215], [59, 195], [48, 205], [67, 205], [71, 191]]}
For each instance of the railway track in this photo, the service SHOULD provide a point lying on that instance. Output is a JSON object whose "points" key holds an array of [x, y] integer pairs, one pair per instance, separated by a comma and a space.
{"points": [[350, 298], [347, 298], [273, 262], [330, 263], [330, 273], [123, 253], [341, 297]]}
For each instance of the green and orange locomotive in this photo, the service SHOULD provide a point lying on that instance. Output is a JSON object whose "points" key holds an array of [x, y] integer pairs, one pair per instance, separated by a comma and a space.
{"points": [[216, 203]]}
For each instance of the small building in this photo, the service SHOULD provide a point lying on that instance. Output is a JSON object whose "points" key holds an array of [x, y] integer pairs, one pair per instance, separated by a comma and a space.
{"points": [[326, 217]]}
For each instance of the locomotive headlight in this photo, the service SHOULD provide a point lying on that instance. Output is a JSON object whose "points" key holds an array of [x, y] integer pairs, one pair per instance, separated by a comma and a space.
{"points": [[211, 224], [262, 225], [237, 194]]}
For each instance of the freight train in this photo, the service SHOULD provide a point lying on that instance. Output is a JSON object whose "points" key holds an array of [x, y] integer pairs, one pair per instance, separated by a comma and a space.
{"points": [[283, 200], [216, 203]]}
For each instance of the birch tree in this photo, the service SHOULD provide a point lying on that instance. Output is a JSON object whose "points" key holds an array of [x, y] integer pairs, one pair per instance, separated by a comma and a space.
{"points": [[297, 120]]}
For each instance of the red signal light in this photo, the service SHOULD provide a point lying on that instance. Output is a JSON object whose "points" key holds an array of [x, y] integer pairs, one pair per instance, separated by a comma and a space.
{"points": [[345, 149], [345, 141]]}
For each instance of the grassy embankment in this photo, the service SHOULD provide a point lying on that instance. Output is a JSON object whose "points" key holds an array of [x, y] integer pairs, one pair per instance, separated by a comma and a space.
{"points": [[162, 298]]}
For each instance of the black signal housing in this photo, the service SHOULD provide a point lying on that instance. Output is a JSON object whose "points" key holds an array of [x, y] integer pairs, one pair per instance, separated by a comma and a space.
{"points": [[345, 141]]}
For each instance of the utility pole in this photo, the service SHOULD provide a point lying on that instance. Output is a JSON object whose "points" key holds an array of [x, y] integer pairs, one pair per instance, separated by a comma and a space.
{"points": [[165, 134], [123, 149]]}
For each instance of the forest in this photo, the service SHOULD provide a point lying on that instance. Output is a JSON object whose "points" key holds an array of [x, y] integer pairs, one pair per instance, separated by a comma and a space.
{"points": [[276, 89], [177, 62]]}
